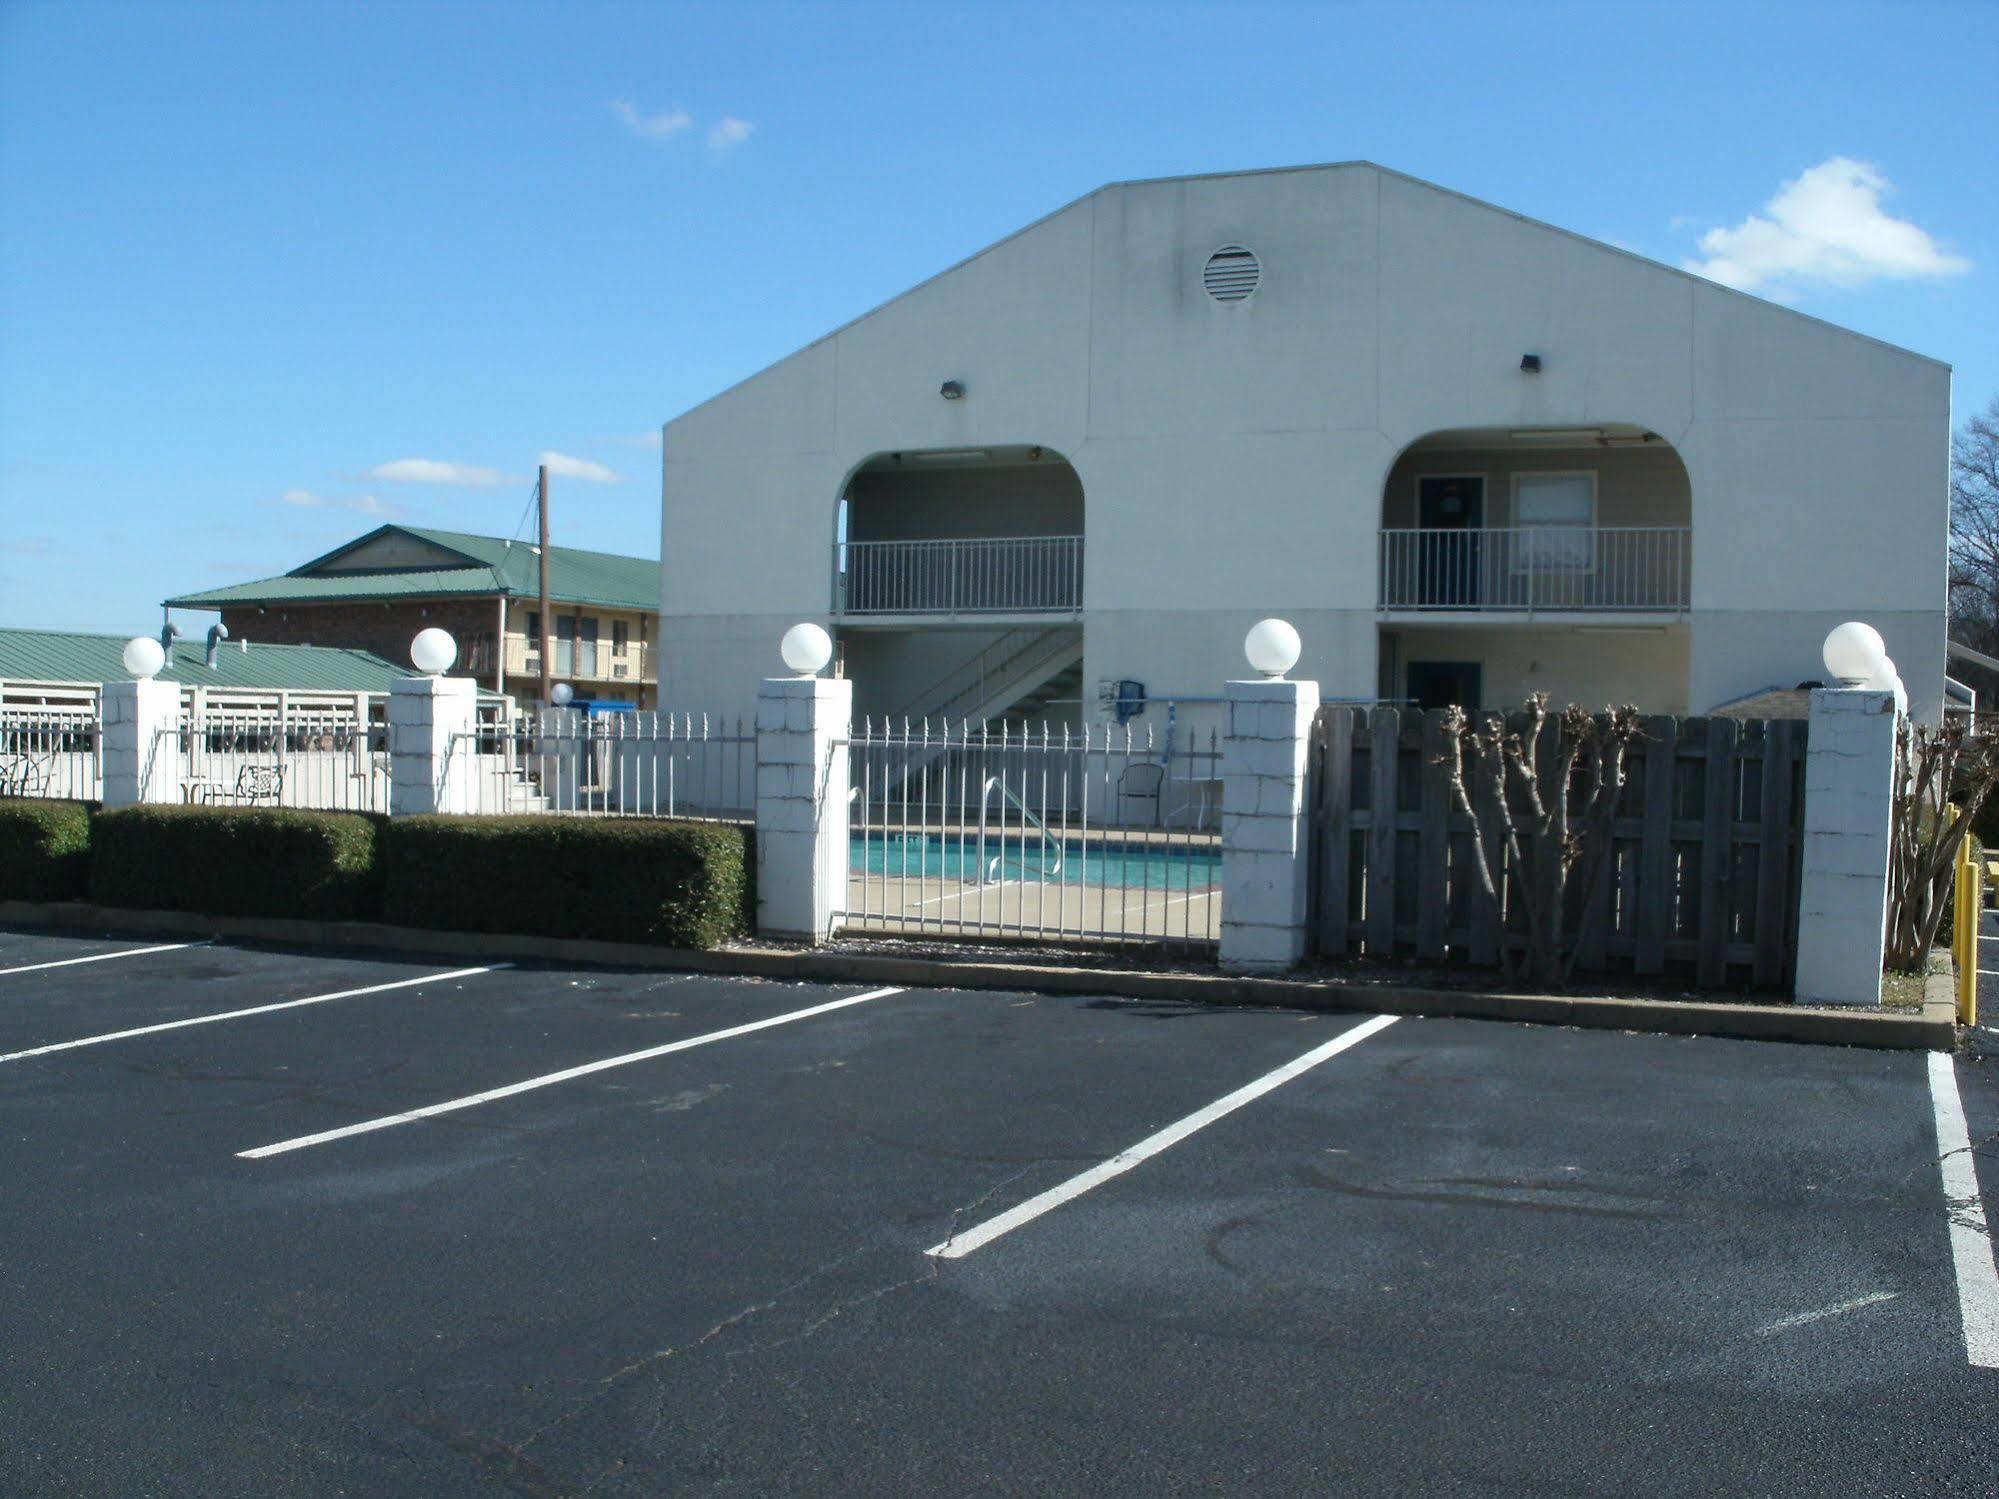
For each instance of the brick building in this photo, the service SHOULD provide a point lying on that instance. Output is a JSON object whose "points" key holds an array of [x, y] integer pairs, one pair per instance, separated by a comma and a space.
{"points": [[375, 592]]}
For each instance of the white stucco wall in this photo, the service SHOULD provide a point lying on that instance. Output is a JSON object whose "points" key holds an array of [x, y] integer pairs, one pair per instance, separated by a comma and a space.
{"points": [[1233, 457], [1644, 666]]}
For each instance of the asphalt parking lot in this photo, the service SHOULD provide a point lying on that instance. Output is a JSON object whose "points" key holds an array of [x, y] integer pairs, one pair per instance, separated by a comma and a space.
{"points": [[392, 1227]]}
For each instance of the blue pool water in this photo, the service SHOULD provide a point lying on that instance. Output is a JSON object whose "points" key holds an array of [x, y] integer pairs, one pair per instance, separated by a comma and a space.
{"points": [[947, 856]]}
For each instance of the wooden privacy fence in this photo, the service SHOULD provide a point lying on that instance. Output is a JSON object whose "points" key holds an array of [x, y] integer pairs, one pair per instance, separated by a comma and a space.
{"points": [[1702, 878]]}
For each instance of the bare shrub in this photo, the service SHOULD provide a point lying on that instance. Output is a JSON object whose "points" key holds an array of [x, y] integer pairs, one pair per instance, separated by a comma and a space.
{"points": [[1943, 774], [1551, 818]]}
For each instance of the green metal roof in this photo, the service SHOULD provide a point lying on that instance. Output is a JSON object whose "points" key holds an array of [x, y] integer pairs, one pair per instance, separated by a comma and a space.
{"points": [[59, 656], [493, 566]]}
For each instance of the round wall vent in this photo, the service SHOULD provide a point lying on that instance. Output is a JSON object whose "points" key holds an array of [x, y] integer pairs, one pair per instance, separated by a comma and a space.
{"points": [[1231, 274]]}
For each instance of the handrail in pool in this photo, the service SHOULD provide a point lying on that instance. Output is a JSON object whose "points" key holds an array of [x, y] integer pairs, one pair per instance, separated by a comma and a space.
{"points": [[986, 796]]}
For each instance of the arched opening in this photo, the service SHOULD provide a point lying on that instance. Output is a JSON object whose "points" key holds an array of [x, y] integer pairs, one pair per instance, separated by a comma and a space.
{"points": [[958, 582], [961, 531], [1556, 559]]}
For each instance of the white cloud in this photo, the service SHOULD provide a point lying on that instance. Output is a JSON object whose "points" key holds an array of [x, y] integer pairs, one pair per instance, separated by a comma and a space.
{"points": [[662, 126], [562, 466], [1828, 227], [434, 471], [650, 438], [26, 546], [727, 132], [361, 504]]}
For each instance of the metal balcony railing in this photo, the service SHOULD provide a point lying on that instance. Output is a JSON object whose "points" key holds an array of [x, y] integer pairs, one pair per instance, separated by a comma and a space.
{"points": [[1536, 569], [575, 660], [963, 575]]}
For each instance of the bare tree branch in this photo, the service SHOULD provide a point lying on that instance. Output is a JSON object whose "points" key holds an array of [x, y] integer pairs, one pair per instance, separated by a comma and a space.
{"points": [[1547, 827]]}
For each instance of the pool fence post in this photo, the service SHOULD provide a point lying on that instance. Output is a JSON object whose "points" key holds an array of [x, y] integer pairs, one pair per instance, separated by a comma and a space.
{"points": [[431, 750], [1849, 812], [1265, 842], [802, 814], [142, 756]]}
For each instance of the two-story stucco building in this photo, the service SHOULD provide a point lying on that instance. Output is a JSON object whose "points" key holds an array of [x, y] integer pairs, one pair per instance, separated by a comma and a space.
{"points": [[1467, 454]]}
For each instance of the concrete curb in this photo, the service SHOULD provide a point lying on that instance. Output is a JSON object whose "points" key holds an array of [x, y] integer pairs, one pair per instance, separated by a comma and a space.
{"points": [[1940, 996], [1933, 1030]]}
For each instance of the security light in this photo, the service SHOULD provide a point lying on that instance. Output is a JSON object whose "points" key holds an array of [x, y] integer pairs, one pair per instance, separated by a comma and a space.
{"points": [[433, 651], [143, 657], [952, 390], [1853, 651], [806, 649], [1272, 647], [1530, 364]]}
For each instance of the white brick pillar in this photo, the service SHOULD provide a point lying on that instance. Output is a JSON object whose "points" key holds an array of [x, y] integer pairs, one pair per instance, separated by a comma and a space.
{"points": [[1849, 800], [141, 756], [428, 771], [802, 725], [1265, 843]]}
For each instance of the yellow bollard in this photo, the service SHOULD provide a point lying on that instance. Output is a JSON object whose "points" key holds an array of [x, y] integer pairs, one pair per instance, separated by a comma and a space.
{"points": [[1968, 901]]}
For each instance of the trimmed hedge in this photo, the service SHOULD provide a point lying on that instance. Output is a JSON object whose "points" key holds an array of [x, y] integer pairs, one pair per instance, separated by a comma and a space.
{"points": [[44, 850], [677, 884], [236, 861]]}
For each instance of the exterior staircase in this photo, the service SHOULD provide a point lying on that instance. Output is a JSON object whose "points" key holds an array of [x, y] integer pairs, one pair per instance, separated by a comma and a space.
{"points": [[1014, 678], [1010, 681], [1065, 686]]}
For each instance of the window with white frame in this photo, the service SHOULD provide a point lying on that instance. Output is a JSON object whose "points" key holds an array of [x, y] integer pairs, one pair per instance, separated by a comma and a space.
{"points": [[1556, 516]]}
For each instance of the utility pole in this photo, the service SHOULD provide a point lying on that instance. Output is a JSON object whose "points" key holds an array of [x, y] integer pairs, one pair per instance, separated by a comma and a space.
{"points": [[547, 620]]}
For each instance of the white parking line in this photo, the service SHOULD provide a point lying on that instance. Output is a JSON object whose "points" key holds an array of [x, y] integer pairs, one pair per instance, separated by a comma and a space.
{"points": [[1970, 1242], [959, 1245], [287, 1004], [105, 957], [1838, 1309], [550, 1079]]}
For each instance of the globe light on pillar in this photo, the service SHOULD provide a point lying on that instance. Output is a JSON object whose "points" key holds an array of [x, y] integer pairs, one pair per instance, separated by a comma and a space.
{"points": [[433, 651], [1884, 677], [1852, 653], [561, 694], [143, 657], [806, 649], [1272, 647]]}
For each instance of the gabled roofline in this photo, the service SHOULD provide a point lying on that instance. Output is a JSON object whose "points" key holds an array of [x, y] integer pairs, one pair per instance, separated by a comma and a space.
{"points": [[1645, 260], [1323, 166], [431, 533], [304, 568]]}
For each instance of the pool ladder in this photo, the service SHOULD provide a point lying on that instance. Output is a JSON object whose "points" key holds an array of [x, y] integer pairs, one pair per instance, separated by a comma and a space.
{"points": [[990, 871]]}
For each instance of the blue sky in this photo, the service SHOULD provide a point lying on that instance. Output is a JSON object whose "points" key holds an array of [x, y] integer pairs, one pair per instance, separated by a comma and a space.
{"points": [[255, 258]]}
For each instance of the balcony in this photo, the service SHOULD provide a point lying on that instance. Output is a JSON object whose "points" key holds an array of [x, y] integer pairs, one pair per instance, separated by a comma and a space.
{"points": [[986, 576], [575, 660], [1530, 570]]}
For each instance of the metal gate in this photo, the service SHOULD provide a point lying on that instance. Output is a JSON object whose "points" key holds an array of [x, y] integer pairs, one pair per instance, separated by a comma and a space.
{"points": [[1006, 830]]}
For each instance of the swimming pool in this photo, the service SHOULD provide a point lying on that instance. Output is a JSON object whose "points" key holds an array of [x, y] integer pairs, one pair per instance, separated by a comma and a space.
{"points": [[960, 857]]}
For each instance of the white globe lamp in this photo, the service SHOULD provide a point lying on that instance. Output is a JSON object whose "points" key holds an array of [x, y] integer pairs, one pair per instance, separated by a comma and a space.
{"points": [[1884, 677], [1272, 647], [1853, 652], [561, 694], [433, 651], [144, 657], [806, 649]]}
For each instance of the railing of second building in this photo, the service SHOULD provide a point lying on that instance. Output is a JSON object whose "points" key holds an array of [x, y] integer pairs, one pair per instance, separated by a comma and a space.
{"points": [[960, 575], [1528, 569]]}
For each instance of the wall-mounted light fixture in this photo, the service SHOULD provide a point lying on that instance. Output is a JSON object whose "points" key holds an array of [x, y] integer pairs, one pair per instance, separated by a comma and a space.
{"points": [[952, 390], [1530, 364]]}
